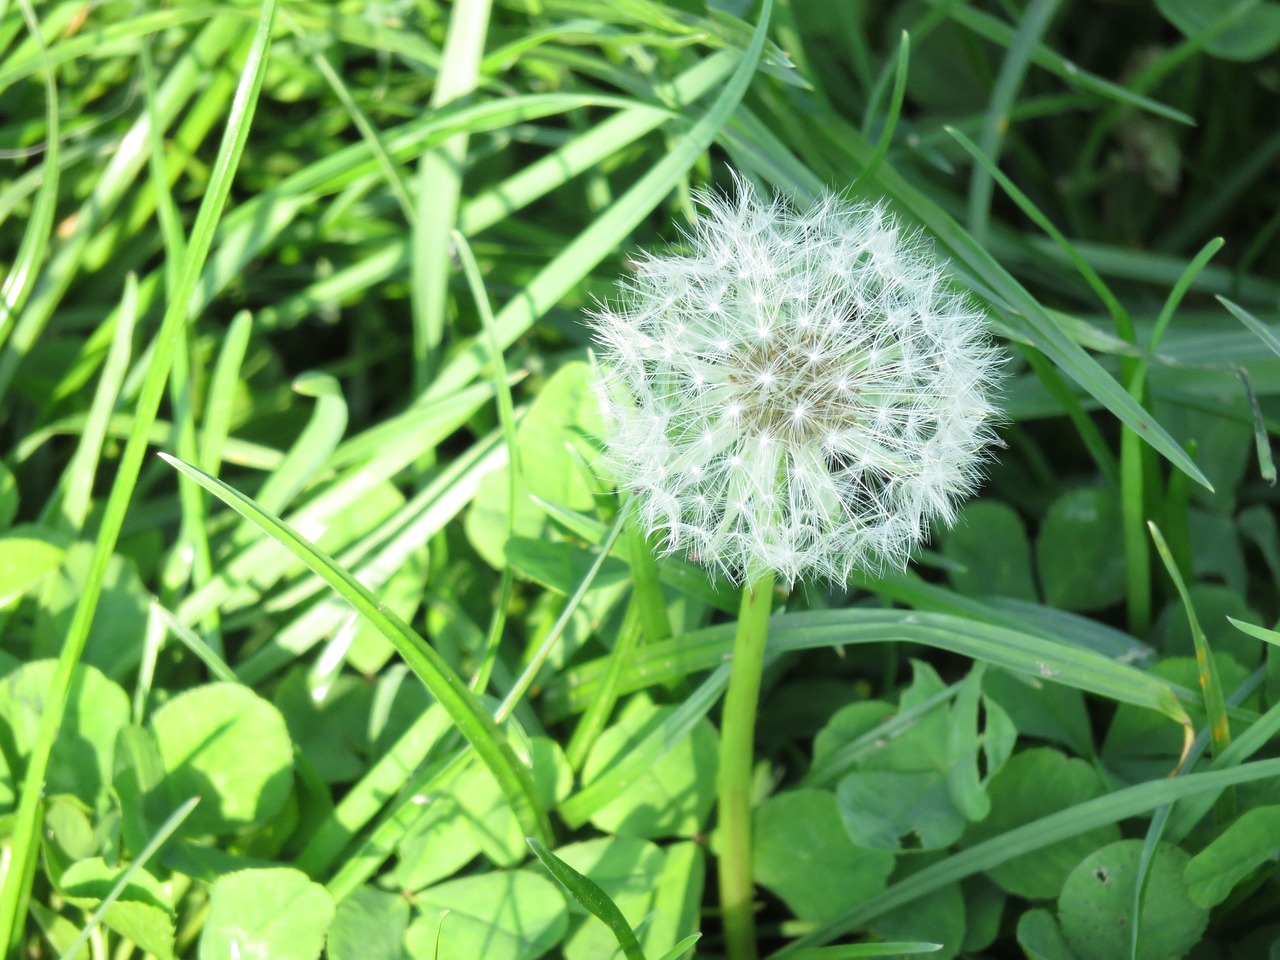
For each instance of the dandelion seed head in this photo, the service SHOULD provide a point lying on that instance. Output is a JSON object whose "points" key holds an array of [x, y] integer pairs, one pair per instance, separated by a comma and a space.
{"points": [[800, 390]]}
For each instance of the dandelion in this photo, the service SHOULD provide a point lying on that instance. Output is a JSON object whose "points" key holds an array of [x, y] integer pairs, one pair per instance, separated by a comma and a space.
{"points": [[801, 392]]}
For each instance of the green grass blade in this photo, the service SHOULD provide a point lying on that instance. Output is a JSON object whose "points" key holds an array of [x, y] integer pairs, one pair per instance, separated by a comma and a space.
{"points": [[424, 516], [681, 948], [1030, 654], [1025, 204], [591, 246], [598, 711], [78, 477], [1214, 701], [18, 879], [439, 186], [1013, 70], [515, 473], [610, 784], [985, 25], [895, 109], [35, 239], [220, 398], [115, 182], [853, 951], [592, 898], [362, 802], [472, 719]]}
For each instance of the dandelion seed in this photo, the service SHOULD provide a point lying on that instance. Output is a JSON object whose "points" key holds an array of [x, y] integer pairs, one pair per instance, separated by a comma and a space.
{"points": [[844, 390]]}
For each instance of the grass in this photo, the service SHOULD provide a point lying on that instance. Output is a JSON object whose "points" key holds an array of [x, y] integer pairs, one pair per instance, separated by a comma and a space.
{"points": [[300, 513]]}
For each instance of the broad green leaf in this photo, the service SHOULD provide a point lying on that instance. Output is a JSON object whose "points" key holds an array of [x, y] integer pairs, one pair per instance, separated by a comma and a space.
{"points": [[1044, 710], [1112, 808], [96, 711], [142, 913], [989, 546], [1041, 938], [1242, 848], [1031, 785], [882, 807], [368, 925], [802, 853], [1080, 552], [514, 915], [1097, 900], [1248, 35], [940, 919], [674, 795], [561, 566], [113, 645], [28, 554], [225, 744], [266, 914]]}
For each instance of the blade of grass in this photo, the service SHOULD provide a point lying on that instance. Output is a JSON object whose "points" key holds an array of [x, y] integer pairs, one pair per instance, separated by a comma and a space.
{"points": [[1137, 469], [894, 112], [413, 525], [35, 239], [1022, 651], [220, 397], [591, 246], [116, 180], [1013, 69], [596, 716], [592, 898], [1214, 701], [438, 187], [515, 472], [77, 479], [985, 25], [362, 802], [472, 719], [17, 882]]}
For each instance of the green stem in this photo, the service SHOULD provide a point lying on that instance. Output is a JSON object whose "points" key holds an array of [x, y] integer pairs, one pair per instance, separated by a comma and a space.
{"points": [[737, 741]]}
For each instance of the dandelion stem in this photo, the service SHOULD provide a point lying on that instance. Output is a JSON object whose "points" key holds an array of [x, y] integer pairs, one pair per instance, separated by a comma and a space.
{"points": [[737, 741]]}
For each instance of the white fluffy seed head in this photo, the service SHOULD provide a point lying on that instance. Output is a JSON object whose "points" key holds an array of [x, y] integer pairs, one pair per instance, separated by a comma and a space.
{"points": [[800, 391]]}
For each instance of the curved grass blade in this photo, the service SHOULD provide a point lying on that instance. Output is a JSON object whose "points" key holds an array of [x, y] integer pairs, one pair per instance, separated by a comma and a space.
{"points": [[471, 718], [1214, 701], [25, 836], [1030, 654], [895, 109], [588, 893]]}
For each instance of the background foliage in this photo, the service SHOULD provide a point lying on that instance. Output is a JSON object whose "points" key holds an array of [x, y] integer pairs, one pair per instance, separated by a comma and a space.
{"points": [[227, 231]]}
